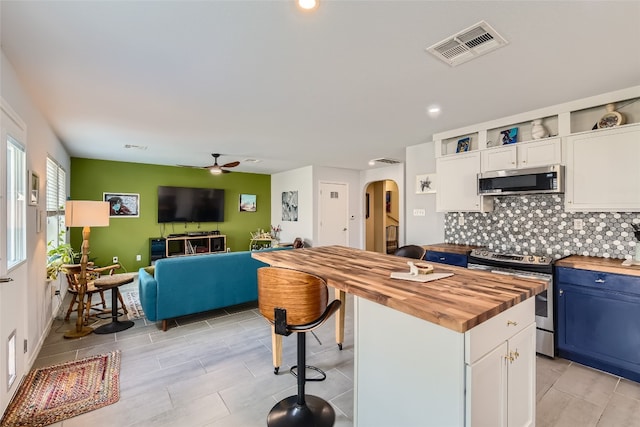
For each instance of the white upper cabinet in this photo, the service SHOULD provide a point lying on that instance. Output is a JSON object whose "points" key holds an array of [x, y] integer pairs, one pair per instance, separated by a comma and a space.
{"points": [[522, 155], [603, 170], [601, 153], [457, 184]]}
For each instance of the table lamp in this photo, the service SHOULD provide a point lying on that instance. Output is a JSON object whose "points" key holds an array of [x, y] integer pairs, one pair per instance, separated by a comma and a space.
{"points": [[85, 214]]}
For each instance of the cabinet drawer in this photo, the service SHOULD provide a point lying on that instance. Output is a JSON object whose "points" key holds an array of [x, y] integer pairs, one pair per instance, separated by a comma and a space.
{"points": [[480, 340], [599, 280], [447, 258]]}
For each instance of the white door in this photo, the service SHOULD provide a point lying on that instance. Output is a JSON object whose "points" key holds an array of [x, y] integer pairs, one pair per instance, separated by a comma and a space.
{"points": [[487, 383], [334, 214], [13, 294], [522, 379]]}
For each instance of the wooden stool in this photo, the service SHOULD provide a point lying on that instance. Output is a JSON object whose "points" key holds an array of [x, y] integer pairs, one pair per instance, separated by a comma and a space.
{"points": [[296, 302]]}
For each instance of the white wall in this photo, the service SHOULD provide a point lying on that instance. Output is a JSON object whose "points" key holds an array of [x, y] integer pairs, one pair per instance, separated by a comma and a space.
{"points": [[41, 140], [426, 229], [300, 180]]}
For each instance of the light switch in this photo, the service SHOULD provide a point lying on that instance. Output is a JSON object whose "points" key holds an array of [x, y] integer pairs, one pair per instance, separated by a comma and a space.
{"points": [[419, 212]]}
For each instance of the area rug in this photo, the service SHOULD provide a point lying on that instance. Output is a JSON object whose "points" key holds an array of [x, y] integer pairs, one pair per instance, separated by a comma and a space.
{"points": [[55, 393], [134, 308]]}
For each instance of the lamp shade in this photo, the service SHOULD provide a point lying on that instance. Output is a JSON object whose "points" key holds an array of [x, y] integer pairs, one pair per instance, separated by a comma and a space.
{"points": [[86, 213]]}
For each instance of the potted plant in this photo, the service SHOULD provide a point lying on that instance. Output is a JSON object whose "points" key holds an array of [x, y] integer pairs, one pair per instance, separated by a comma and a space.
{"points": [[58, 256]]}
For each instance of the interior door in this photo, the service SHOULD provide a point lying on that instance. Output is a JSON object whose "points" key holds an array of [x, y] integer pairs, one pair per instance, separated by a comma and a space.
{"points": [[13, 293], [334, 214]]}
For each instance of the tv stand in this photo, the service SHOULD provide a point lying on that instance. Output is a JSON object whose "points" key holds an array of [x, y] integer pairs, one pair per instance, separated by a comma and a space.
{"points": [[183, 245]]}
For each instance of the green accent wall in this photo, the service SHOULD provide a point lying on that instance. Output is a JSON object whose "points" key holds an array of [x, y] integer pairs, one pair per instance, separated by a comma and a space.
{"points": [[128, 237]]}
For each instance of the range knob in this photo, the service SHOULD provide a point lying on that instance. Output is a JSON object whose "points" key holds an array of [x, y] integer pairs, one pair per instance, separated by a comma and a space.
{"points": [[543, 259], [531, 258]]}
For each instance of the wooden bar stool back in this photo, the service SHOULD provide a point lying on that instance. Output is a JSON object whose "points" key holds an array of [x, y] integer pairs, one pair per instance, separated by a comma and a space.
{"points": [[296, 302]]}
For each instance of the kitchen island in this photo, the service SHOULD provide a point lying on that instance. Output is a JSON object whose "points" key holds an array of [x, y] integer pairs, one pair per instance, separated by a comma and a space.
{"points": [[451, 352]]}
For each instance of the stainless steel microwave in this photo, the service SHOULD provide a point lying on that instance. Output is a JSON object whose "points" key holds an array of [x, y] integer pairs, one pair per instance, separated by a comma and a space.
{"points": [[547, 179]]}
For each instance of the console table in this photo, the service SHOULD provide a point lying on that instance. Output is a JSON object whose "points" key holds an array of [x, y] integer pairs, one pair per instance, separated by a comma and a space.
{"points": [[187, 245]]}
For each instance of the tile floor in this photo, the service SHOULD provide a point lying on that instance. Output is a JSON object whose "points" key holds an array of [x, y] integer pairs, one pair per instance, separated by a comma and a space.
{"points": [[214, 370]]}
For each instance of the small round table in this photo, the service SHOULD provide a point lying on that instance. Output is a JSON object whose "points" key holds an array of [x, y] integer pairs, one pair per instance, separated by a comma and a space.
{"points": [[113, 282]]}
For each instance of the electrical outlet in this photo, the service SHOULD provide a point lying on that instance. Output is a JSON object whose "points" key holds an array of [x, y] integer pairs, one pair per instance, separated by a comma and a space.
{"points": [[115, 259], [419, 212], [578, 224], [138, 257], [460, 220]]}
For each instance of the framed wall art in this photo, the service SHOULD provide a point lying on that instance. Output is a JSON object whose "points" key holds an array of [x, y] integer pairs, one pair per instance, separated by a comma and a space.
{"points": [[463, 145], [123, 205], [34, 188], [426, 183], [509, 136], [248, 203]]}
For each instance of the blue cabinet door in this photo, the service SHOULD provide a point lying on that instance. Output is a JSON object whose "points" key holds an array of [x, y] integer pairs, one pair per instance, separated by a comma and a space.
{"points": [[447, 258], [599, 327]]}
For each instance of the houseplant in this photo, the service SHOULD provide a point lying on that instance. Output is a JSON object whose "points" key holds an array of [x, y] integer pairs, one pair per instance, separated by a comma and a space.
{"points": [[58, 256]]}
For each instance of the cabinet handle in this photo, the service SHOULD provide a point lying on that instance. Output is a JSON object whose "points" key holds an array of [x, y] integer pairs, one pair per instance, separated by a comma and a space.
{"points": [[599, 280], [561, 292], [509, 357], [442, 258], [511, 323]]}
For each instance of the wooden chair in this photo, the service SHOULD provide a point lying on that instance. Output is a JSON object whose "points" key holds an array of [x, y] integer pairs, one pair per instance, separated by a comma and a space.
{"points": [[391, 237], [296, 302], [411, 251], [72, 272]]}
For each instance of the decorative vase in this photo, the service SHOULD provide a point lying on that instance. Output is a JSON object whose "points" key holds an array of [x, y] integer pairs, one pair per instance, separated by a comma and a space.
{"points": [[537, 130]]}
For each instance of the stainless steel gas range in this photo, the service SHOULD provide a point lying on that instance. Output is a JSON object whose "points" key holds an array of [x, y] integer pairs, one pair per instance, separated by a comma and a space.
{"points": [[528, 266]]}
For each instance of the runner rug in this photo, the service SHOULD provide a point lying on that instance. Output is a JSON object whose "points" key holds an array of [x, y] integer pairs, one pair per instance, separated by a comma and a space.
{"points": [[134, 308], [55, 393]]}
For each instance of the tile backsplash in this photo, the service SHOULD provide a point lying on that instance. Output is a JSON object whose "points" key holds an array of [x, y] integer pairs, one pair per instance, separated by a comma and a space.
{"points": [[538, 225]]}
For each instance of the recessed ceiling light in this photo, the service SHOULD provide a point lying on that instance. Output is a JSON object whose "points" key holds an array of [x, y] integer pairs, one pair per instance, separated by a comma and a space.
{"points": [[308, 4], [433, 111], [135, 147], [252, 160]]}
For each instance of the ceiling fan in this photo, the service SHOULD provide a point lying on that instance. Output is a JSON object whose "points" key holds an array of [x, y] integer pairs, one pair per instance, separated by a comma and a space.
{"points": [[216, 169]]}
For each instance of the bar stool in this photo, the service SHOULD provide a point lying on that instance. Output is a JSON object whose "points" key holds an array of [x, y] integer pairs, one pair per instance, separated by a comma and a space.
{"points": [[296, 302]]}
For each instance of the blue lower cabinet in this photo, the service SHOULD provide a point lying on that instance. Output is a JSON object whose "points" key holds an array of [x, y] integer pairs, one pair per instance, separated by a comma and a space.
{"points": [[599, 320], [447, 258]]}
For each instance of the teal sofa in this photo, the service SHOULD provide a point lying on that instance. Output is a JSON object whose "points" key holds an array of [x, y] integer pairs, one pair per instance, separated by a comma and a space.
{"points": [[184, 285]]}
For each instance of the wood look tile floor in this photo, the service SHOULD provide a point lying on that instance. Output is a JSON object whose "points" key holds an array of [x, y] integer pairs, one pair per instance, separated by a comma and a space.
{"points": [[214, 369]]}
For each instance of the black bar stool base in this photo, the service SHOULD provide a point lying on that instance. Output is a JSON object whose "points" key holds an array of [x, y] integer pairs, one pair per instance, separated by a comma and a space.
{"points": [[288, 413], [113, 327]]}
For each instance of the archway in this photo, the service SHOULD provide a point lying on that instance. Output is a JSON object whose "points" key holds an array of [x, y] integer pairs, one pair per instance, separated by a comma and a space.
{"points": [[382, 210]]}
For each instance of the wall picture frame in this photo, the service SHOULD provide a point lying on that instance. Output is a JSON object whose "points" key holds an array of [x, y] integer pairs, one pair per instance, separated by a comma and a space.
{"points": [[426, 183], [463, 144], [509, 136], [123, 205], [248, 203], [34, 189]]}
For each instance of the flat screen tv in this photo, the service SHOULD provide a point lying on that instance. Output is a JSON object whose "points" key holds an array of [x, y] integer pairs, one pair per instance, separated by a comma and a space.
{"points": [[182, 204]]}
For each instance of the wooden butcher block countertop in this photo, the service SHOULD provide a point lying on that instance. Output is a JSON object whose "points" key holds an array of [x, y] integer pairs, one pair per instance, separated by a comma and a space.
{"points": [[458, 302], [451, 248], [606, 265]]}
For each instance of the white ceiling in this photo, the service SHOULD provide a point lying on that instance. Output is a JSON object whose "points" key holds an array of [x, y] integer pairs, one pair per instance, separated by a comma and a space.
{"points": [[262, 80]]}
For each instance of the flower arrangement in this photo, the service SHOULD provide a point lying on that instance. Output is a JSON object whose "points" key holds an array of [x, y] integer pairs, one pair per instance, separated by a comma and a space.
{"points": [[275, 232]]}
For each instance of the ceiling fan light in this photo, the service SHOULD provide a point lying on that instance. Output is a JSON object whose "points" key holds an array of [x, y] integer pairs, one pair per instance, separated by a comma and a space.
{"points": [[215, 171]]}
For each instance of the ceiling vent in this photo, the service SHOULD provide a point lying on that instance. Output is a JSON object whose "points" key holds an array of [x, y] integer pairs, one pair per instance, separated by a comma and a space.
{"points": [[387, 161], [470, 43], [135, 147]]}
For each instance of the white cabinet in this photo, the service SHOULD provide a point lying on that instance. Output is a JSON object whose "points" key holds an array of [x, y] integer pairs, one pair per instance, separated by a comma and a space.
{"points": [[483, 377], [603, 170], [458, 184], [522, 155], [502, 380]]}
